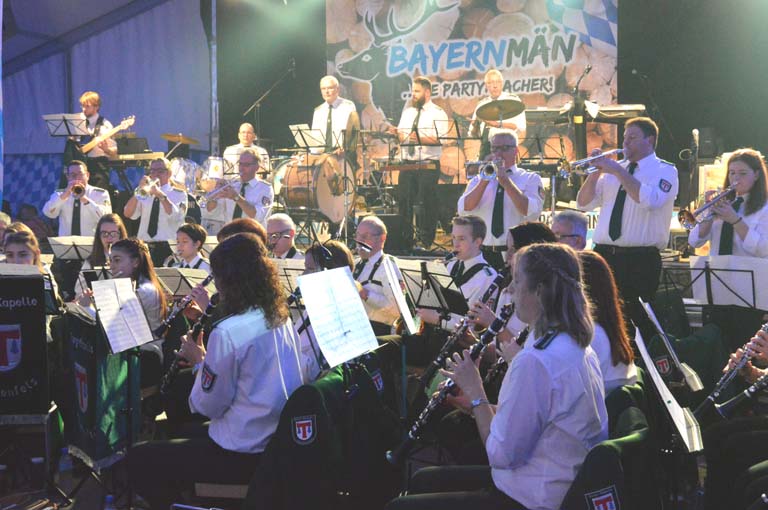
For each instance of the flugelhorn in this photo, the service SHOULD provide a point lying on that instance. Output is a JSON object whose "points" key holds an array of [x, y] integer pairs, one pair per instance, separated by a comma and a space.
{"points": [[581, 166], [689, 219]]}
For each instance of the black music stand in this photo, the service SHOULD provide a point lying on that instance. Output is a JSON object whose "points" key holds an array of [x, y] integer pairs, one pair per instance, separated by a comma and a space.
{"points": [[179, 282], [66, 124], [307, 139], [71, 247]]}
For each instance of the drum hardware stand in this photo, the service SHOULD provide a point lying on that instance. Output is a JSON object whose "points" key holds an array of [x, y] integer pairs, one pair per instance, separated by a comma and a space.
{"points": [[257, 104]]}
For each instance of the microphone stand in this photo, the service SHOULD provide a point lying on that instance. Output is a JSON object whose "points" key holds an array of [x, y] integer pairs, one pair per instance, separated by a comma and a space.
{"points": [[655, 110], [576, 118], [257, 104]]}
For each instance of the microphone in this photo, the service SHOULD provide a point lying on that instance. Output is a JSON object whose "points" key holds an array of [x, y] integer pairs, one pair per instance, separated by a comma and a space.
{"points": [[639, 74], [587, 69], [292, 67], [583, 74], [695, 134]]}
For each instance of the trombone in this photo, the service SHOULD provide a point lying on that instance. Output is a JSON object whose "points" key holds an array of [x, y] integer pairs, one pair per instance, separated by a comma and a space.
{"points": [[689, 219], [578, 166]]}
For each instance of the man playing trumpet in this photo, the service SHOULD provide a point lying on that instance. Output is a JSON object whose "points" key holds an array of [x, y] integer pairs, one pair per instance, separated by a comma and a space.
{"points": [[78, 206], [252, 199]]}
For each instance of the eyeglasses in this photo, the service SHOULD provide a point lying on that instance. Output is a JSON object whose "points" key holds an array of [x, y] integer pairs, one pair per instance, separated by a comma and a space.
{"points": [[277, 235], [255, 163], [565, 236], [502, 148], [113, 235]]}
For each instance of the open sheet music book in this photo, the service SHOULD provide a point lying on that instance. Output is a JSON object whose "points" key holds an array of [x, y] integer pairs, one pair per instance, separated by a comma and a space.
{"points": [[402, 304], [338, 317], [288, 270], [120, 313]]}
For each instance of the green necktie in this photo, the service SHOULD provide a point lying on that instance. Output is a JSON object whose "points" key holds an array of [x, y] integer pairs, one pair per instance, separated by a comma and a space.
{"points": [[329, 131], [238, 211], [414, 129], [614, 227], [154, 217], [76, 218], [726, 234], [497, 220]]}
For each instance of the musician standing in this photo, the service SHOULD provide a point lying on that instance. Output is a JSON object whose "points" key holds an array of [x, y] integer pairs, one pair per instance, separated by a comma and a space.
{"points": [[635, 197], [332, 117], [78, 215], [378, 298], [162, 209], [247, 136], [740, 226], [98, 157], [494, 84], [281, 233], [508, 199], [254, 198], [420, 127]]}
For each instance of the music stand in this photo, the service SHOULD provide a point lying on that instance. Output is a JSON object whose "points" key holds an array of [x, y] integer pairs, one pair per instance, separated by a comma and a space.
{"points": [[179, 282], [452, 135], [719, 290], [66, 124], [71, 247], [433, 287]]}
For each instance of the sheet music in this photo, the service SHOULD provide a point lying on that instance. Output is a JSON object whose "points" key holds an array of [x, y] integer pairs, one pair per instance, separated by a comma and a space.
{"points": [[180, 281], [737, 272], [120, 314], [210, 243], [71, 247], [402, 305], [686, 425], [288, 270], [306, 137], [66, 124], [336, 312]]}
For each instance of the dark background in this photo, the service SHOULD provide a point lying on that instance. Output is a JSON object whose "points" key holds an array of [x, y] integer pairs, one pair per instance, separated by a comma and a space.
{"points": [[704, 60]]}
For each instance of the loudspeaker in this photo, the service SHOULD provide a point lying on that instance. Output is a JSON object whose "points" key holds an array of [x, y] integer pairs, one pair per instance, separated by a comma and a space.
{"points": [[396, 242]]}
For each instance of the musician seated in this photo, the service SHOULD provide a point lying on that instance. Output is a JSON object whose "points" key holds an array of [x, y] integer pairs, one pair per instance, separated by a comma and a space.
{"points": [[243, 380], [247, 137], [190, 238], [109, 230], [281, 231], [738, 226], [378, 298], [555, 385], [570, 227], [469, 270]]}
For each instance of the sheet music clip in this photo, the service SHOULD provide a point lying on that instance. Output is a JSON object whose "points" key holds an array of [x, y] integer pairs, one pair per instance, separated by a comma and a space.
{"points": [[71, 247], [66, 124]]}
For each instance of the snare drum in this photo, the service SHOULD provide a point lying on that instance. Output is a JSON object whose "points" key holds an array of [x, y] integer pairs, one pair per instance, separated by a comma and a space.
{"points": [[309, 185]]}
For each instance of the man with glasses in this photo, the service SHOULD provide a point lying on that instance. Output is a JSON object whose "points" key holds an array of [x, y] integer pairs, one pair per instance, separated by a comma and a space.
{"points": [[161, 209], [509, 198], [494, 84], [247, 136], [570, 227], [377, 296], [251, 199], [281, 232], [78, 213]]}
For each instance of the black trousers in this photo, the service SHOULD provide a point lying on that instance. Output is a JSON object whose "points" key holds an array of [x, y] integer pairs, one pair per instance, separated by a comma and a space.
{"points": [[636, 271], [731, 448], [454, 487], [417, 194], [161, 470]]}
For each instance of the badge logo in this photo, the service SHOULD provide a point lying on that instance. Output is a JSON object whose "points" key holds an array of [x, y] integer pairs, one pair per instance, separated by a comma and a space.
{"points": [[304, 429], [603, 499], [207, 378], [662, 365], [10, 347], [81, 385], [378, 381], [266, 201], [665, 186]]}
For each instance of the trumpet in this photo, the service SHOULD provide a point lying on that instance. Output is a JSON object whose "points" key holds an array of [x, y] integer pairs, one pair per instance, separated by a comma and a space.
{"points": [[78, 190], [143, 191], [578, 166], [488, 169], [704, 213], [203, 200]]}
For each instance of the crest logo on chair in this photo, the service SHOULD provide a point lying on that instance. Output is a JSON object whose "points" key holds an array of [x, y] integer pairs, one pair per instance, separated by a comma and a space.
{"points": [[304, 429], [603, 499], [378, 381], [10, 347], [662, 365], [81, 384]]}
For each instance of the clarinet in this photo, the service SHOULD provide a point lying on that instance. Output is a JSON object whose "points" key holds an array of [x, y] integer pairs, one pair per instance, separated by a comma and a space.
{"points": [[173, 370], [396, 455], [726, 379], [499, 367], [162, 329], [726, 410], [450, 344]]}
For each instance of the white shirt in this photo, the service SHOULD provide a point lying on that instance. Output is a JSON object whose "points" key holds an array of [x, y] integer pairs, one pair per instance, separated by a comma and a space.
{"points": [[551, 412], [297, 254], [613, 375], [150, 303], [474, 288], [96, 152], [514, 325], [518, 119], [257, 193], [248, 374], [342, 108], [196, 263], [380, 305], [310, 351], [98, 205], [433, 122], [232, 154], [167, 224], [531, 186], [644, 223], [755, 244]]}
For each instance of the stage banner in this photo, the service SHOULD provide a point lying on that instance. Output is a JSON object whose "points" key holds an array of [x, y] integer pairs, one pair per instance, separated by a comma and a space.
{"points": [[541, 47]]}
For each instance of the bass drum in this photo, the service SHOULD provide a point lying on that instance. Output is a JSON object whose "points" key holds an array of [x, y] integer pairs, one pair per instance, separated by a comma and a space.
{"points": [[317, 185]]}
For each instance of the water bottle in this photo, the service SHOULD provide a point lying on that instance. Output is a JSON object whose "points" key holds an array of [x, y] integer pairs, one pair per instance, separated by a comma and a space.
{"points": [[109, 502]]}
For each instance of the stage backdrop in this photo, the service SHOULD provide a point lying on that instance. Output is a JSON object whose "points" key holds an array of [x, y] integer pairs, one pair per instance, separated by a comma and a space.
{"points": [[375, 48]]}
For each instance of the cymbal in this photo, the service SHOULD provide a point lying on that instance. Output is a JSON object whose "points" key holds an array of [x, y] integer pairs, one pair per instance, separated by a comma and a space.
{"points": [[179, 138], [381, 135], [291, 149], [500, 109]]}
